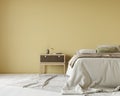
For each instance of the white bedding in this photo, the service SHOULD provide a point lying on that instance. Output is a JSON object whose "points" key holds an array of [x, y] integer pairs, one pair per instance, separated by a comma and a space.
{"points": [[93, 75], [18, 91], [49, 82], [9, 86], [13, 85]]}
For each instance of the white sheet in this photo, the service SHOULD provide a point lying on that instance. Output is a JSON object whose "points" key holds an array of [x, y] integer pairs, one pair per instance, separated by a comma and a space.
{"points": [[50, 82], [7, 90], [10, 85], [93, 72]]}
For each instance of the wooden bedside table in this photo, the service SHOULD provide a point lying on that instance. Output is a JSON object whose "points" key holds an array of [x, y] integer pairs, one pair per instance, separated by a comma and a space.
{"points": [[52, 59]]}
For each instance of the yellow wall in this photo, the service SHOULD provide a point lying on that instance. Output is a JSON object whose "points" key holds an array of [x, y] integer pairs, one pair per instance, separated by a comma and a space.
{"points": [[32, 26], [1, 35], [0, 42]]}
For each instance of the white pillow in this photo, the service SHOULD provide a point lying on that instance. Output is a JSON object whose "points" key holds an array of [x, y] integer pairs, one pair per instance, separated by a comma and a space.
{"points": [[87, 51]]}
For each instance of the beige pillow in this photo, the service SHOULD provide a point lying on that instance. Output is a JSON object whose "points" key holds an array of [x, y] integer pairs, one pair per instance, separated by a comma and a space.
{"points": [[107, 49], [119, 47]]}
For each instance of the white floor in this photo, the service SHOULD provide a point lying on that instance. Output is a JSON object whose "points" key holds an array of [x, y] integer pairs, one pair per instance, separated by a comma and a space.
{"points": [[12, 85]]}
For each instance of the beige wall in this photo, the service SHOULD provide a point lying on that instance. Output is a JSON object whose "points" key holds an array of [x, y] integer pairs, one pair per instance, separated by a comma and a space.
{"points": [[1, 35], [32, 26]]}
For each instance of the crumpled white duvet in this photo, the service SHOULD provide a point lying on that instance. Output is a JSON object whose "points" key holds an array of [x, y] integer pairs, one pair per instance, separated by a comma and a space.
{"points": [[91, 75]]}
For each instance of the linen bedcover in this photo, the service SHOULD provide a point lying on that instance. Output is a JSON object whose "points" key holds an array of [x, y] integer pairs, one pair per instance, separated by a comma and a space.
{"points": [[93, 75]]}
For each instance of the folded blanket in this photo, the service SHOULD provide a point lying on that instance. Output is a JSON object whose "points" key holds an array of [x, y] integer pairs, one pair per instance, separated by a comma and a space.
{"points": [[92, 55]]}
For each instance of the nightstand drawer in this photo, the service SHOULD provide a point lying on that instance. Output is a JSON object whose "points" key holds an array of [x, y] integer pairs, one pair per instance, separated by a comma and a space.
{"points": [[52, 58]]}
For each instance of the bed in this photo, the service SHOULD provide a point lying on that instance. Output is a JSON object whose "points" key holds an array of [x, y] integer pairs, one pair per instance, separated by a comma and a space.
{"points": [[93, 73]]}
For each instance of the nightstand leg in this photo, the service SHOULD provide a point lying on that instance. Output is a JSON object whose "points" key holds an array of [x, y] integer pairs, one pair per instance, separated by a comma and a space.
{"points": [[64, 68], [43, 69]]}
